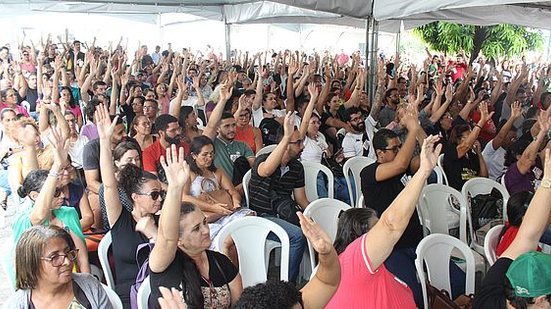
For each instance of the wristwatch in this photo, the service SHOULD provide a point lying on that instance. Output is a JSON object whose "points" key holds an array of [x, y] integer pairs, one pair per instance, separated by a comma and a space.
{"points": [[545, 183]]}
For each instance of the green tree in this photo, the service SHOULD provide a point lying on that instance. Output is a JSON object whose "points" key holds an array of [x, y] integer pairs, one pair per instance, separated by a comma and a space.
{"points": [[497, 41]]}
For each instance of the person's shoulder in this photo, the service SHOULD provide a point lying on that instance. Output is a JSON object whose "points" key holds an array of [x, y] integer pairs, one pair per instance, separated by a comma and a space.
{"points": [[153, 147], [92, 144], [19, 299]]}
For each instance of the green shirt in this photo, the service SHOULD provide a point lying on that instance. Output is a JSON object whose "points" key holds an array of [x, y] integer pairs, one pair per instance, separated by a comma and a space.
{"points": [[227, 152]]}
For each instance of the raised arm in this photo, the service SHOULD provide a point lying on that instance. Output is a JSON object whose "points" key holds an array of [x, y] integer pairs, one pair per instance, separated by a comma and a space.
{"points": [[44, 202], [291, 71], [273, 161], [536, 219], [319, 290], [516, 112], [110, 184], [524, 164], [380, 240], [177, 174], [312, 89], [468, 143], [216, 115], [402, 160]]}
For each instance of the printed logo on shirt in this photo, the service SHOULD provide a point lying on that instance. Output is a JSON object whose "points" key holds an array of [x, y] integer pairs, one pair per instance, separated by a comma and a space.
{"points": [[405, 179]]}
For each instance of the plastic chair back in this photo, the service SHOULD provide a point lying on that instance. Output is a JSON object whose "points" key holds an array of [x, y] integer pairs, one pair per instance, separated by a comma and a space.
{"points": [[246, 180], [311, 171], [360, 203], [325, 212], [143, 293], [113, 297], [490, 243], [441, 177], [481, 185], [435, 204], [352, 169], [440, 162], [434, 252], [247, 233], [103, 250], [266, 149]]}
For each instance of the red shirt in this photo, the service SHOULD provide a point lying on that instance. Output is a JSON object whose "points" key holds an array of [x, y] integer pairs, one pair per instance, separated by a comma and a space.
{"points": [[507, 239], [151, 155], [488, 131]]}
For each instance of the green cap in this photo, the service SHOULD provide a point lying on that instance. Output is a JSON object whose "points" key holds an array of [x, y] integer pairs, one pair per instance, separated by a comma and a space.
{"points": [[530, 274]]}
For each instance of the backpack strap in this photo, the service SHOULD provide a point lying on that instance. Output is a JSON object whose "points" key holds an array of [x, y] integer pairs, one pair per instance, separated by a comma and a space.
{"points": [[223, 274]]}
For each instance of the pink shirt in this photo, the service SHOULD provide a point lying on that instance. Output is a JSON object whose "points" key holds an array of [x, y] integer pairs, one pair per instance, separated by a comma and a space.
{"points": [[18, 109], [363, 287]]}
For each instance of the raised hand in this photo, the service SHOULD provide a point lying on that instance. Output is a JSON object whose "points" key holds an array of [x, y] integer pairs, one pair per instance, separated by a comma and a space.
{"points": [[429, 153], [226, 91], [313, 90], [60, 146], [516, 110], [103, 122], [289, 124], [171, 299], [484, 115], [315, 234], [293, 68], [439, 88], [543, 120], [410, 119], [449, 92], [175, 166], [196, 84]]}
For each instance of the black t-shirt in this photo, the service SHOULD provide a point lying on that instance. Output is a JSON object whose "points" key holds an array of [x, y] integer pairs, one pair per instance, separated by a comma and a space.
{"points": [[128, 112], [125, 243], [172, 277], [281, 182], [459, 170], [492, 291], [31, 97], [380, 194]]}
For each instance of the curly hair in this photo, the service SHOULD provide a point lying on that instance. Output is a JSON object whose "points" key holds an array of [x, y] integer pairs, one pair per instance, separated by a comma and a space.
{"points": [[270, 295], [132, 178]]}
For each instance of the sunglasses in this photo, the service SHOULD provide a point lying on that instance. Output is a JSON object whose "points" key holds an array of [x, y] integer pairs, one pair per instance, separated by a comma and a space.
{"points": [[155, 194]]}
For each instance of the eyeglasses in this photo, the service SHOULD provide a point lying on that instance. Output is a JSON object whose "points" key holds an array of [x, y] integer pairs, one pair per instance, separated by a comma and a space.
{"points": [[298, 141], [58, 259], [155, 194], [394, 149]]}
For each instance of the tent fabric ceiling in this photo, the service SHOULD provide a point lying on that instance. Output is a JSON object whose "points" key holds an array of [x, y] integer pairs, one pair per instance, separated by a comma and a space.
{"points": [[353, 13]]}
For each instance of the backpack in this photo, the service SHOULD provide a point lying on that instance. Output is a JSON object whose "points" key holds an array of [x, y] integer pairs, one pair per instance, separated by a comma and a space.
{"points": [[143, 250], [269, 127]]}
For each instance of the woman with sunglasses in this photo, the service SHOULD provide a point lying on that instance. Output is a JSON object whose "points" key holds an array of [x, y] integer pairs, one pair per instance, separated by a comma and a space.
{"points": [[140, 130], [129, 227], [44, 261], [244, 131], [45, 202], [180, 258]]}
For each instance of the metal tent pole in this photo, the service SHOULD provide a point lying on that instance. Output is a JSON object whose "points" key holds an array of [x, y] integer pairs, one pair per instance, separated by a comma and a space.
{"points": [[227, 34], [373, 47]]}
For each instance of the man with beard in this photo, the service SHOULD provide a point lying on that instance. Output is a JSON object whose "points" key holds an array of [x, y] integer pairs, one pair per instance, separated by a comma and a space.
{"points": [[277, 182], [169, 134], [234, 157], [357, 142], [388, 112]]}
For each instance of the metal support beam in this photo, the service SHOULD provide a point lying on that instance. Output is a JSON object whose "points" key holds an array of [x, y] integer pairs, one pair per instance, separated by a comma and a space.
{"points": [[227, 34], [367, 27], [373, 48]]}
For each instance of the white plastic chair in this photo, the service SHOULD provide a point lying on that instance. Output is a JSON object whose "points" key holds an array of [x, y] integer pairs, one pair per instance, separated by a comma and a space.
{"points": [[360, 203], [355, 166], [435, 251], [440, 162], [490, 243], [325, 213], [441, 177], [474, 187], [143, 293], [266, 149], [502, 181], [270, 244], [113, 297], [434, 205], [246, 180], [103, 249], [247, 233], [311, 171]]}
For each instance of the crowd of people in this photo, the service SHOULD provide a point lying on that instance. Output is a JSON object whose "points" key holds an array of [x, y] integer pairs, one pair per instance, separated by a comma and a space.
{"points": [[154, 147]]}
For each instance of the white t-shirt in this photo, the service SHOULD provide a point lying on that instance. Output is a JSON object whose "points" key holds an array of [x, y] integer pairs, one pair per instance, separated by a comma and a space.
{"points": [[258, 115], [76, 149], [353, 145], [495, 160], [313, 149]]}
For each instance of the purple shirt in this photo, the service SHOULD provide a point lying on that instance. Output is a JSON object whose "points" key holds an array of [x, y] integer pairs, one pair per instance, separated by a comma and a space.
{"points": [[516, 182], [89, 130]]}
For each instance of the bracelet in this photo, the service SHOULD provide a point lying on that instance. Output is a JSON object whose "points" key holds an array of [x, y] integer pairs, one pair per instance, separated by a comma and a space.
{"points": [[477, 125], [53, 174]]}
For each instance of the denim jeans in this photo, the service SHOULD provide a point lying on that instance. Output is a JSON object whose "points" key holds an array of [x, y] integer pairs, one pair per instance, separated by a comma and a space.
{"points": [[341, 189], [546, 237], [401, 263], [296, 240]]}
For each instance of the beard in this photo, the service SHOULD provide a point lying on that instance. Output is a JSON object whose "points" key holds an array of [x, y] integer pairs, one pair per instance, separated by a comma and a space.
{"points": [[360, 127], [173, 140]]}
